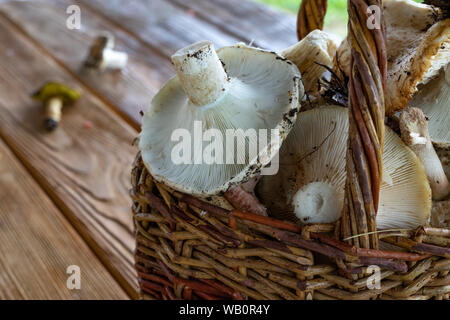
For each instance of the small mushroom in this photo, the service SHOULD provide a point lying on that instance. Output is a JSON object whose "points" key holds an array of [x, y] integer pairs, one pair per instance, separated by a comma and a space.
{"points": [[55, 95], [433, 99], [309, 187], [236, 88], [418, 43], [414, 130], [102, 55]]}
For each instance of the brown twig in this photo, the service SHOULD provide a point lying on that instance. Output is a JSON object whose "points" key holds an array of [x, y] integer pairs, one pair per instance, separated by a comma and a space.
{"points": [[310, 17], [366, 124]]}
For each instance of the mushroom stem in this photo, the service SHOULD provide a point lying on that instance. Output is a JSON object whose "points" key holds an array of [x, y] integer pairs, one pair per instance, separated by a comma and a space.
{"points": [[201, 73], [53, 107], [414, 131], [114, 59], [243, 198], [316, 202]]}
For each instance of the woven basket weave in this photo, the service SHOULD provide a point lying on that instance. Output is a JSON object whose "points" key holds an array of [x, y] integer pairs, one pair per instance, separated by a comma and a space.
{"points": [[187, 248], [190, 248]]}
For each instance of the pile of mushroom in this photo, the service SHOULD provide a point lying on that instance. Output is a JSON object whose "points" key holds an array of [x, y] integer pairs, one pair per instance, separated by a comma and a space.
{"points": [[418, 48], [245, 88]]}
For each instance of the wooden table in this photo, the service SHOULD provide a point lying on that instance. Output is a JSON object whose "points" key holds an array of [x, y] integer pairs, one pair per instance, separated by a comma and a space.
{"points": [[64, 195]]}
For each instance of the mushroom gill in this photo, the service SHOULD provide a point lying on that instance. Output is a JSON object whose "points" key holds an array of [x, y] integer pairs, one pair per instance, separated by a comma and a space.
{"points": [[219, 100], [433, 99], [309, 187]]}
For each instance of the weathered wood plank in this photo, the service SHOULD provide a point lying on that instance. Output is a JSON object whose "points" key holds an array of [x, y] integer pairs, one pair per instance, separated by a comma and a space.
{"points": [[128, 91], [161, 24], [37, 244], [85, 170], [247, 20], [143, 30]]}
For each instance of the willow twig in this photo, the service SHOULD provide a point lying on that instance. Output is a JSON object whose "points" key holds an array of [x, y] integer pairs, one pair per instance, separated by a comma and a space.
{"points": [[366, 123], [310, 17]]}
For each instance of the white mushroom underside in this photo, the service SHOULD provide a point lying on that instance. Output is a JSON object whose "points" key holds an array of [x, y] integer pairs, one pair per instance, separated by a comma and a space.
{"points": [[262, 90], [434, 100], [404, 204]]}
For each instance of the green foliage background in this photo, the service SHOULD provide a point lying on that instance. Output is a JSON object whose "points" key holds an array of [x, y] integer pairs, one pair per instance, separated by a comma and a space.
{"points": [[335, 20]]}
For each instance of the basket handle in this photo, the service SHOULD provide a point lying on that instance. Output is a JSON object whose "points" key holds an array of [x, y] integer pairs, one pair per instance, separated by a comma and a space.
{"points": [[364, 163], [310, 16]]}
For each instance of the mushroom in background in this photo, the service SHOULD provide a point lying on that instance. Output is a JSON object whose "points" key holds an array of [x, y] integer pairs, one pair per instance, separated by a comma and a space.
{"points": [[414, 131], [433, 99], [317, 47], [102, 55], [418, 46], [309, 187], [55, 96], [237, 87]]}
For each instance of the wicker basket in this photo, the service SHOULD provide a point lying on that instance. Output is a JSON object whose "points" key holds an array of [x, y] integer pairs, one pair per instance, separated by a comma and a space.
{"points": [[187, 248], [190, 248]]}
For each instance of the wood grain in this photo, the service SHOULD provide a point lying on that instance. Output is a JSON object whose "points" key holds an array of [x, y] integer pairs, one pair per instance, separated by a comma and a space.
{"points": [[129, 91], [160, 24], [86, 171], [150, 32], [247, 20], [37, 244]]}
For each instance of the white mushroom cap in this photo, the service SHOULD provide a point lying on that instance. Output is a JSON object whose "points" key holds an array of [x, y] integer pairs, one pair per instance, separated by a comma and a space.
{"points": [[434, 100], [248, 88], [418, 46], [313, 164], [317, 47]]}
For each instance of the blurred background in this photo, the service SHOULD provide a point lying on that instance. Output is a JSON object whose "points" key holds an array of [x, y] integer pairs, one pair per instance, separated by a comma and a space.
{"points": [[335, 20]]}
